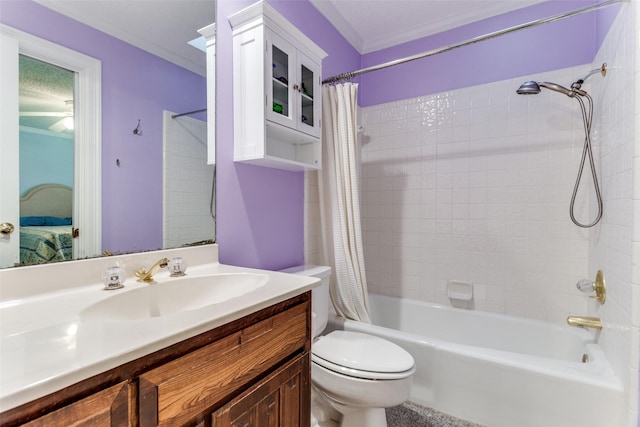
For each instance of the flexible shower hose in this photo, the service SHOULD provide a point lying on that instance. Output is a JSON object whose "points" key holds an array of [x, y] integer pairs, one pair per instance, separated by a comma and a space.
{"points": [[587, 118]]}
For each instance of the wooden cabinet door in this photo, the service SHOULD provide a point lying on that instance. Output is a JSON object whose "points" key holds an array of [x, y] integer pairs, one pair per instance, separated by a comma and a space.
{"points": [[180, 391], [282, 399], [106, 408]]}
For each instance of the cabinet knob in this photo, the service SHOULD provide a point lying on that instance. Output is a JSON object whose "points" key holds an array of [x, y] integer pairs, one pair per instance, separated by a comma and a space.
{"points": [[296, 88]]}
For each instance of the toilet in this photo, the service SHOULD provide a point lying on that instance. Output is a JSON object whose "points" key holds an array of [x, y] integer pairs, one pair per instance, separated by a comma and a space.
{"points": [[356, 374]]}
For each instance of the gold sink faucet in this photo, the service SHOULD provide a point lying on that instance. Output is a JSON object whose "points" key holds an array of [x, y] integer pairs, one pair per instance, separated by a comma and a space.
{"points": [[147, 276], [585, 321]]}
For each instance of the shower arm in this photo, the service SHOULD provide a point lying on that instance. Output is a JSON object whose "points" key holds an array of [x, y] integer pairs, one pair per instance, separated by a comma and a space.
{"points": [[602, 70], [575, 86], [578, 83]]}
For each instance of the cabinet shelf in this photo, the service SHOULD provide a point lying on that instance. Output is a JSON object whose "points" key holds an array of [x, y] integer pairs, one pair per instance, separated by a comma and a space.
{"points": [[280, 83]]}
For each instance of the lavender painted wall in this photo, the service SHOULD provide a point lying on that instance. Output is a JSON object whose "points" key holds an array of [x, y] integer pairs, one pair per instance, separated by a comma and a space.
{"points": [[135, 85], [569, 42], [260, 210]]}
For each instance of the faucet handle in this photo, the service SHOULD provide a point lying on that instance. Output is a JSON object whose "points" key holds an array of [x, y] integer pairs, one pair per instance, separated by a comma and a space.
{"points": [[598, 286], [177, 267], [585, 285], [113, 278]]}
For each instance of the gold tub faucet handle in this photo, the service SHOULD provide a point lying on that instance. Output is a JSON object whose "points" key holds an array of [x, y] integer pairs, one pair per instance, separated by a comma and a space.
{"points": [[598, 287]]}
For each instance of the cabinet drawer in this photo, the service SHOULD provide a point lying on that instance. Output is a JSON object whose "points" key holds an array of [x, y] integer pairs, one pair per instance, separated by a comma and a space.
{"points": [[186, 387], [109, 407]]}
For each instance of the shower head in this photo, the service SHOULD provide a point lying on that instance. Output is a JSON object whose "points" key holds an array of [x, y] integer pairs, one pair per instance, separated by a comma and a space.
{"points": [[533, 88], [528, 88]]}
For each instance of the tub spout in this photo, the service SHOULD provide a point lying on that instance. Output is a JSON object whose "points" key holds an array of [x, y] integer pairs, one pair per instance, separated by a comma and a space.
{"points": [[585, 321]]}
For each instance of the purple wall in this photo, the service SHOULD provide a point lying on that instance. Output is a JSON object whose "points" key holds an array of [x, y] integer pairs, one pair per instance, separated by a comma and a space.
{"points": [[260, 210], [569, 42], [135, 85]]}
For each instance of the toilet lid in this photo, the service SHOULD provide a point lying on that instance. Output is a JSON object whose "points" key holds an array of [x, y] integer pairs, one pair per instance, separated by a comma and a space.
{"points": [[349, 352]]}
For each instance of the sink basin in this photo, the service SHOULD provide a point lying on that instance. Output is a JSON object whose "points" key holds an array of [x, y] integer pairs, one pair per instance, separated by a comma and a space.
{"points": [[175, 295]]}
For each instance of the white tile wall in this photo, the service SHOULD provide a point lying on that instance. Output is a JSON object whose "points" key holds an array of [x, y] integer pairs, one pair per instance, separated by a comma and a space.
{"points": [[474, 185], [312, 225], [188, 180], [615, 247]]}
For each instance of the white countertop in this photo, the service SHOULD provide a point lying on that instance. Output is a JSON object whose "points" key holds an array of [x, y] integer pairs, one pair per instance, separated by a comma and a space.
{"points": [[45, 345]]}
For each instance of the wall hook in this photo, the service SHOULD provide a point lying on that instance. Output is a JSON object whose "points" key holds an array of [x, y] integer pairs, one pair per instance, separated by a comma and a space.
{"points": [[137, 130]]}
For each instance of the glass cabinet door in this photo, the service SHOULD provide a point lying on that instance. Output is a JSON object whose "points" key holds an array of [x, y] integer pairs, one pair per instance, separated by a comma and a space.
{"points": [[293, 82], [307, 89], [280, 80]]}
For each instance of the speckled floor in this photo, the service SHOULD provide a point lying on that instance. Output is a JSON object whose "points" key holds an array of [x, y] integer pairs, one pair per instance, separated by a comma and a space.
{"points": [[413, 415]]}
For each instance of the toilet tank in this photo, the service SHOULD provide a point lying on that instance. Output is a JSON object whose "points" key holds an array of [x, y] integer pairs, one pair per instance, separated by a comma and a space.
{"points": [[319, 295]]}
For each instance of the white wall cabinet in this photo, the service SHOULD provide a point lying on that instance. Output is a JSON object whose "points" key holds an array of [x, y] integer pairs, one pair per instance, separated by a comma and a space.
{"points": [[209, 33], [277, 91]]}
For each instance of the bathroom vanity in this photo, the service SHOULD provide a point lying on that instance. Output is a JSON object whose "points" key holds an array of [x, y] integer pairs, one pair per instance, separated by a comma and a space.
{"points": [[240, 361]]}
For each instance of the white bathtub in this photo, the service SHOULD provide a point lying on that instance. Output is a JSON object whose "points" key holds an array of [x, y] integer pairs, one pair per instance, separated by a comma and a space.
{"points": [[499, 370]]}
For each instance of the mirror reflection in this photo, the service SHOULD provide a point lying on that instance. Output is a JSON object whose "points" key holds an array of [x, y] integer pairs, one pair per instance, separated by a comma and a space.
{"points": [[156, 188], [45, 161]]}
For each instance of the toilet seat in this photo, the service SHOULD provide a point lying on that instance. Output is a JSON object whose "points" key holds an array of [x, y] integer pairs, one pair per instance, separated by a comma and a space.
{"points": [[361, 355]]}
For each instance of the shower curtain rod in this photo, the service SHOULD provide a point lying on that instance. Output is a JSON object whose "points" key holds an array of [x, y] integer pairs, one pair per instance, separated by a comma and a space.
{"points": [[174, 116], [352, 74]]}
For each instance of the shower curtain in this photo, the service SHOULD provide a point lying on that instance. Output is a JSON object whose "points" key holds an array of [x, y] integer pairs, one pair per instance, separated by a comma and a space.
{"points": [[340, 203]]}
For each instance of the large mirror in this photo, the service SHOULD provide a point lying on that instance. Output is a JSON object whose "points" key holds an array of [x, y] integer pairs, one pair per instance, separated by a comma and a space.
{"points": [[119, 164]]}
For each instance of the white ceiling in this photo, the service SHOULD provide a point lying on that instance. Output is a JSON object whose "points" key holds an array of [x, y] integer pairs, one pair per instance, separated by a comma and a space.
{"points": [[161, 27], [371, 25]]}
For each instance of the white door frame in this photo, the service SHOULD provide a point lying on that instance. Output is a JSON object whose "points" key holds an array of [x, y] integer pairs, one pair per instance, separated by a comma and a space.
{"points": [[87, 191]]}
